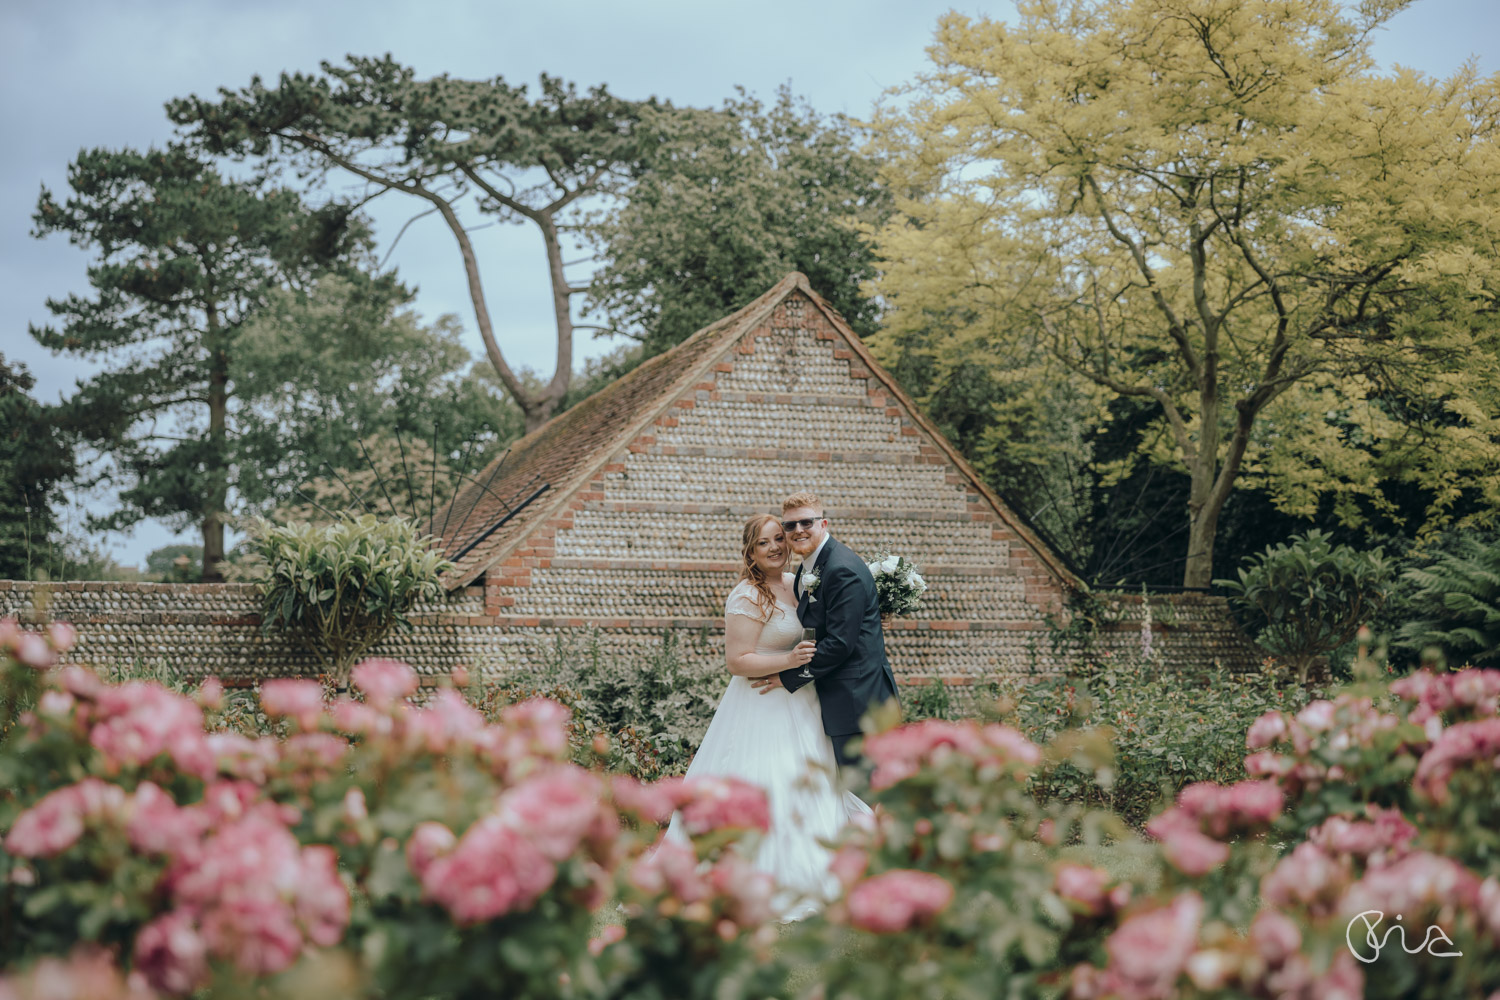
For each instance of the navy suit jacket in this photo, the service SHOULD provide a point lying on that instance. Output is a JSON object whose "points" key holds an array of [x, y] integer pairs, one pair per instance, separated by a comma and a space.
{"points": [[850, 666]]}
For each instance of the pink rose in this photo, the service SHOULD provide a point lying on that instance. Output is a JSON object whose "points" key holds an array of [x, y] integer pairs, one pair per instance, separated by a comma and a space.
{"points": [[1149, 951], [554, 809], [322, 901], [540, 724], [62, 636], [1274, 937], [1083, 887], [723, 803], [1462, 744], [849, 865], [56, 822], [171, 953], [746, 890], [652, 803], [158, 825], [429, 841], [34, 651], [894, 901], [1384, 838], [258, 933], [384, 682], [607, 937], [670, 868], [210, 694], [491, 871], [1265, 730], [298, 700], [1308, 878], [350, 716], [1415, 884], [139, 720]]}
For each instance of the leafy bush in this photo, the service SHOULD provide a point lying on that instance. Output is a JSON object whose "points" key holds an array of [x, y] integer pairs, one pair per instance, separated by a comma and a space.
{"points": [[1305, 598], [931, 700], [657, 703], [341, 588], [1168, 731], [1452, 603]]}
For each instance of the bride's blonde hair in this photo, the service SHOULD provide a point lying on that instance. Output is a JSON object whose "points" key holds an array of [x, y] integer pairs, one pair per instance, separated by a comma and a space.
{"points": [[765, 600]]}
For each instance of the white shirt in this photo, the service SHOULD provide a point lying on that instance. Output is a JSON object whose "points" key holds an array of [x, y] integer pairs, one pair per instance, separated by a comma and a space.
{"points": [[810, 562]]}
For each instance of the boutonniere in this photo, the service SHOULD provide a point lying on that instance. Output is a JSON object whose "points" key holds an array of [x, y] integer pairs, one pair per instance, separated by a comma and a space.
{"points": [[810, 584]]}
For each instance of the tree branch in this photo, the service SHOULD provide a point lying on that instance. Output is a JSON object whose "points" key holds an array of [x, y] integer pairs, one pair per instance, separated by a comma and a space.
{"points": [[1174, 325]]}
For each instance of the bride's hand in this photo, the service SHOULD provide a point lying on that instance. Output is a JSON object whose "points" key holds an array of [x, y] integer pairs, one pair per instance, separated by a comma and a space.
{"points": [[801, 653]]}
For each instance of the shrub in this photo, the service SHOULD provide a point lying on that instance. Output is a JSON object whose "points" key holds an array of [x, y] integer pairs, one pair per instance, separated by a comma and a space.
{"points": [[340, 589], [1452, 603], [931, 700], [1167, 731], [1305, 598], [655, 705]]}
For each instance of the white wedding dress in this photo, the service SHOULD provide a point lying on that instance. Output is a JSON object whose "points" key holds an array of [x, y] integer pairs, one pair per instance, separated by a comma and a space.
{"points": [[776, 741]]}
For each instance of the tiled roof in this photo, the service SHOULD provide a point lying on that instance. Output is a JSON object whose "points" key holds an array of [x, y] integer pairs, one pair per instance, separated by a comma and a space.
{"points": [[562, 452]]}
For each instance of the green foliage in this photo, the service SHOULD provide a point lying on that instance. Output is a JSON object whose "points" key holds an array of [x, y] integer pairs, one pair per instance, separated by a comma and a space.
{"points": [[1452, 603], [1196, 207], [340, 589], [1168, 731], [185, 259], [1306, 597], [928, 701], [656, 706], [533, 160], [725, 204], [34, 462], [163, 563], [329, 376]]}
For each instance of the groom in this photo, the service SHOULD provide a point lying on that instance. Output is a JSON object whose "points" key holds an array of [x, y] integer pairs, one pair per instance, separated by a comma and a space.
{"points": [[836, 596]]}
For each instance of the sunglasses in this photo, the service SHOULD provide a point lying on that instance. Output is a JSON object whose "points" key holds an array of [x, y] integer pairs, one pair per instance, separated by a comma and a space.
{"points": [[805, 524]]}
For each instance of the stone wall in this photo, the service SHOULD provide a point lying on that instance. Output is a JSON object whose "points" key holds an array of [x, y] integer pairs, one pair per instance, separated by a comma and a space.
{"points": [[201, 629]]}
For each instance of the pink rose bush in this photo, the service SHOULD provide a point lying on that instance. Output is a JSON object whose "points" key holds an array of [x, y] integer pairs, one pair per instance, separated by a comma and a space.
{"points": [[440, 852], [961, 887], [1385, 798], [424, 848]]}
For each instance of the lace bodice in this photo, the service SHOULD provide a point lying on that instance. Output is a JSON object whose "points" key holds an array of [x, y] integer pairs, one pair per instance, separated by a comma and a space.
{"points": [[781, 632]]}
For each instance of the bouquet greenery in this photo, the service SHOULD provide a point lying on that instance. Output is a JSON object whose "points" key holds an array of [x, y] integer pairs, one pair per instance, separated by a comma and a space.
{"points": [[898, 585]]}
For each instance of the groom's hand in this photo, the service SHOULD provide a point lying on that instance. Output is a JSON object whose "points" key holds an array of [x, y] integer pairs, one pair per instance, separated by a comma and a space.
{"points": [[767, 684]]}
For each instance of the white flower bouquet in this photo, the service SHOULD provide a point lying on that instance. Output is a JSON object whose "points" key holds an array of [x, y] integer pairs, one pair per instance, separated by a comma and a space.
{"points": [[898, 585]]}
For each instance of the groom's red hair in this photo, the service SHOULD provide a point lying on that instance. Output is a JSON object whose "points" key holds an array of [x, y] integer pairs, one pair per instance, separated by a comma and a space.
{"points": [[804, 499]]}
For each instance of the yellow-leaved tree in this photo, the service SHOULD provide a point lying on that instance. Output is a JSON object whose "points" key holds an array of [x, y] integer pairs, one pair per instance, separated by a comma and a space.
{"points": [[1225, 208]]}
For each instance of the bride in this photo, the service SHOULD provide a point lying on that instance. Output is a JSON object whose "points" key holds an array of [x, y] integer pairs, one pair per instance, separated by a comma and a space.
{"points": [[776, 740]]}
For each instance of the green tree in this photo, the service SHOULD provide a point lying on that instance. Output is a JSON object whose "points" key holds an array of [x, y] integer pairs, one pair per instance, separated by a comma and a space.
{"points": [[34, 464], [443, 142], [162, 564], [328, 383], [1223, 210], [725, 204], [185, 259]]}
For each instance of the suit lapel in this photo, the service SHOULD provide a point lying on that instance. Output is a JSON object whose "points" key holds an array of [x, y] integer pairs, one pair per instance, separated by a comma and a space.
{"points": [[802, 599]]}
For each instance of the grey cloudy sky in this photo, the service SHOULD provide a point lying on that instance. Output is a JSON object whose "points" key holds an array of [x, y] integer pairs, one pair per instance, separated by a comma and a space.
{"points": [[77, 75]]}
